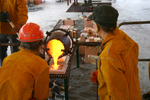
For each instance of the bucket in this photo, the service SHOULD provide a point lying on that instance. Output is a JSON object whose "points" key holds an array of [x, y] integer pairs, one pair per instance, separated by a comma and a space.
{"points": [[59, 35]]}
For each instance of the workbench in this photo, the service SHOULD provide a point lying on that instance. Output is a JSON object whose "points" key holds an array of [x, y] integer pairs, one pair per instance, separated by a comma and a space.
{"points": [[80, 26], [66, 76]]}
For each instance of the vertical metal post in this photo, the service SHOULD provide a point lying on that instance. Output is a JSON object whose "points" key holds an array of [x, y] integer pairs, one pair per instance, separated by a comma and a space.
{"points": [[77, 56], [66, 89], [97, 81]]}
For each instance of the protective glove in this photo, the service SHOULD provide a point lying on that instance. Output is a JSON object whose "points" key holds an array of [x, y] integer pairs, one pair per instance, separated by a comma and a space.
{"points": [[94, 77], [3, 17], [17, 27]]}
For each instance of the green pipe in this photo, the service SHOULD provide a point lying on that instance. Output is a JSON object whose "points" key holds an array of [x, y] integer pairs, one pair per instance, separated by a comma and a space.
{"points": [[66, 89], [77, 56]]}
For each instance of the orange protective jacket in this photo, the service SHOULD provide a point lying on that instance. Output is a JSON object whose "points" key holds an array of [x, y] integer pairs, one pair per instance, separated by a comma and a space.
{"points": [[118, 72], [18, 12], [24, 75]]}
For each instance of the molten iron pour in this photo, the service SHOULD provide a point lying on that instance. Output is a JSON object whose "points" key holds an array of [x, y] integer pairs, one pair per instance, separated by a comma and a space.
{"points": [[58, 44], [55, 48]]}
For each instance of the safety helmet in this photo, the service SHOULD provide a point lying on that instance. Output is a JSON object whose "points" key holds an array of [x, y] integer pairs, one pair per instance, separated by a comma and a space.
{"points": [[30, 32]]}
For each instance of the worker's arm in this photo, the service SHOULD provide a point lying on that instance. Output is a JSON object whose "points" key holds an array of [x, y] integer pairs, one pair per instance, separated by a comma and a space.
{"points": [[41, 88], [114, 78], [22, 12]]}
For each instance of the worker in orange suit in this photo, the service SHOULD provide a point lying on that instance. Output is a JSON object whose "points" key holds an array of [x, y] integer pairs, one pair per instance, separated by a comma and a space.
{"points": [[24, 75], [117, 65], [18, 12]]}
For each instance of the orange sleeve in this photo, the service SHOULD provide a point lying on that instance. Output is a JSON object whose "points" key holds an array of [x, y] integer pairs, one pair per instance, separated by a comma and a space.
{"points": [[115, 80], [41, 89], [22, 11]]}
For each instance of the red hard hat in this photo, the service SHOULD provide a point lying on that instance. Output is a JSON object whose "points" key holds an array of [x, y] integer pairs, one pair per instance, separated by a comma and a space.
{"points": [[30, 32]]}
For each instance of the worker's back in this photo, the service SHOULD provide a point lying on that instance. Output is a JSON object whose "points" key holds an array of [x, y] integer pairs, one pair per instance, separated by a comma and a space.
{"points": [[118, 71], [24, 75]]}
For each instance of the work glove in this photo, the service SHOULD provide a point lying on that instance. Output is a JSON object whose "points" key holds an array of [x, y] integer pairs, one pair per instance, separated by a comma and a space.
{"points": [[3, 17], [94, 77], [17, 27]]}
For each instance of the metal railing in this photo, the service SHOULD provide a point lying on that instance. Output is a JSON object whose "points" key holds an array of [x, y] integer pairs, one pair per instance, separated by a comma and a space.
{"points": [[135, 22]]}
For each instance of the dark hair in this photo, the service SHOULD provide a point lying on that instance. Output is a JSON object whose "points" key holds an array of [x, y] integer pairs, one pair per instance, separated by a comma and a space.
{"points": [[107, 29], [33, 46]]}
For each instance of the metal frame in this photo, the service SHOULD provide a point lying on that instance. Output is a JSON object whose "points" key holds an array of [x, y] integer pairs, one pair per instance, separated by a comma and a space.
{"points": [[65, 76], [133, 23]]}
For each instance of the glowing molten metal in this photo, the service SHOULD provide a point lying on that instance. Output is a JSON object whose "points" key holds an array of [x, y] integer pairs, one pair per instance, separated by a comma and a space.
{"points": [[56, 48]]}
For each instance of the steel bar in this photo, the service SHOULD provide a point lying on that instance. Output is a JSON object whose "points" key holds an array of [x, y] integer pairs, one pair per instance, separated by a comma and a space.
{"points": [[87, 43], [134, 22], [9, 44], [144, 59]]}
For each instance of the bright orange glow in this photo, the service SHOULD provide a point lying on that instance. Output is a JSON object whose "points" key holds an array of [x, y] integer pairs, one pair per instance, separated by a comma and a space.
{"points": [[56, 48], [54, 67]]}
